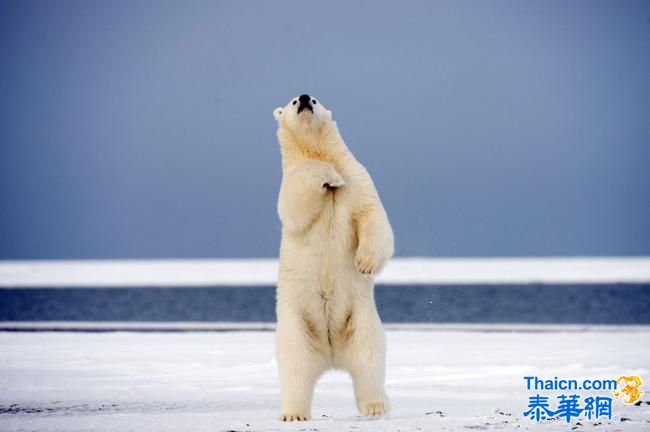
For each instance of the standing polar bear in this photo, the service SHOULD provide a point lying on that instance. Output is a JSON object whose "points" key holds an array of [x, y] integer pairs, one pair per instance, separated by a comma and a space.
{"points": [[335, 238]]}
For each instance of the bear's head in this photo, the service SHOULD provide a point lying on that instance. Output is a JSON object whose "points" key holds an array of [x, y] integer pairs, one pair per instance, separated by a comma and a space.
{"points": [[302, 115]]}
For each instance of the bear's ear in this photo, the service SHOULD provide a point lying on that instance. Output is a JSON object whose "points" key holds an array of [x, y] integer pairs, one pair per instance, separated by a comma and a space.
{"points": [[277, 113]]}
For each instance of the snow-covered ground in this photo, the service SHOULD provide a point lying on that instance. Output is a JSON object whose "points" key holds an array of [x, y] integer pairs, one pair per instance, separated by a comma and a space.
{"points": [[441, 379]]}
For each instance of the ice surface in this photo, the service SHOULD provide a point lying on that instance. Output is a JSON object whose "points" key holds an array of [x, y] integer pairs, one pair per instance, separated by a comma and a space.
{"points": [[256, 272], [220, 381]]}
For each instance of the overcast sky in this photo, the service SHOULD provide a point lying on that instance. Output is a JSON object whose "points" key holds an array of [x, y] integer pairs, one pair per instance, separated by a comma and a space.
{"points": [[144, 129]]}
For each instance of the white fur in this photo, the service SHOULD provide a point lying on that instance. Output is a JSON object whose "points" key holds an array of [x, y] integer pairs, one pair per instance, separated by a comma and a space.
{"points": [[335, 238]]}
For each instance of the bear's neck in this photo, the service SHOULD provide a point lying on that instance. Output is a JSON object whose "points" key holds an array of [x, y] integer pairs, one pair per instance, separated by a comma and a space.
{"points": [[326, 144]]}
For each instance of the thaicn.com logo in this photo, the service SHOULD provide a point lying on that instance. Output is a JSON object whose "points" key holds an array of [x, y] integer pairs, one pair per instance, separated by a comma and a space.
{"points": [[590, 399]]}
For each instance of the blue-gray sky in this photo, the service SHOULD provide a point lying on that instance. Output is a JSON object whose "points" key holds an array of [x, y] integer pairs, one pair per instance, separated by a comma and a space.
{"points": [[144, 129]]}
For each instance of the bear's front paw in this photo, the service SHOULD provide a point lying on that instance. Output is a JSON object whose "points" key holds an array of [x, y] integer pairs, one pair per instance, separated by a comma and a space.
{"points": [[294, 415], [374, 407], [368, 262], [332, 180]]}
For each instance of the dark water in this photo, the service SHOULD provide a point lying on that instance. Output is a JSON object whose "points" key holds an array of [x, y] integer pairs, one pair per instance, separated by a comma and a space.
{"points": [[580, 304]]}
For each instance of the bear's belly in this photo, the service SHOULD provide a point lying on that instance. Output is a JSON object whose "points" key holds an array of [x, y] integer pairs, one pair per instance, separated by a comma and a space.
{"points": [[318, 265], [319, 284]]}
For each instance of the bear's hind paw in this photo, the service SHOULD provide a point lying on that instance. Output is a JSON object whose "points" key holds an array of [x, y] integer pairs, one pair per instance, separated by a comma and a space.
{"points": [[375, 407], [288, 417]]}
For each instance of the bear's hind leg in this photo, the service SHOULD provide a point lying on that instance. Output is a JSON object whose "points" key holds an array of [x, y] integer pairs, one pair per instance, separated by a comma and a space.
{"points": [[369, 388], [364, 357], [300, 365]]}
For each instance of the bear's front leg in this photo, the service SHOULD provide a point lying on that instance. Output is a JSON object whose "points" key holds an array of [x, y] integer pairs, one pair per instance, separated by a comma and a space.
{"points": [[303, 192], [375, 240]]}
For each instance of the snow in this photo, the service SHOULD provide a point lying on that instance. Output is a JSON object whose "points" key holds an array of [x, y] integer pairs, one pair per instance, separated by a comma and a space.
{"points": [[445, 379], [256, 272]]}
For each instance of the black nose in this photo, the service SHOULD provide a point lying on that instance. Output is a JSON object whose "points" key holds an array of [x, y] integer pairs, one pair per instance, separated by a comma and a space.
{"points": [[305, 104]]}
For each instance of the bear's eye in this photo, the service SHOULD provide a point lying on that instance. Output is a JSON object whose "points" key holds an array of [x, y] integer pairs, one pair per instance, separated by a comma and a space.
{"points": [[295, 102], [314, 101]]}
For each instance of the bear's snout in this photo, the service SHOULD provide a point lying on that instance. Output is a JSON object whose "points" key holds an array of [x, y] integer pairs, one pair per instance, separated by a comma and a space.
{"points": [[305, 103]]}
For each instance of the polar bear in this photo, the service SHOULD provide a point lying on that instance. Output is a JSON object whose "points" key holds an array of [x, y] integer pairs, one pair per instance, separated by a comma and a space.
{"points": [[335, 238]]}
